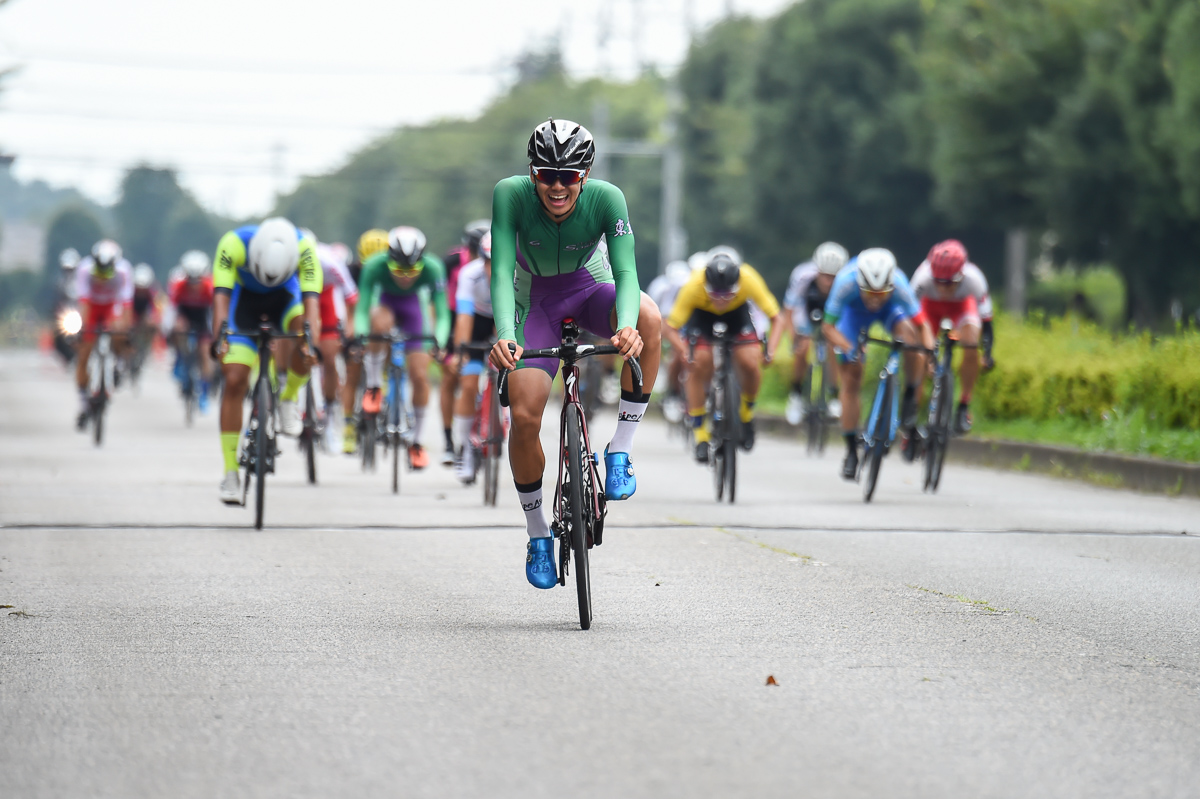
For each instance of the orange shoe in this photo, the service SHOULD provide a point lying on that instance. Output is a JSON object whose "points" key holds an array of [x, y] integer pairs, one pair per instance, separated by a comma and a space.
{"points": [[418, 458], [372, 399]]}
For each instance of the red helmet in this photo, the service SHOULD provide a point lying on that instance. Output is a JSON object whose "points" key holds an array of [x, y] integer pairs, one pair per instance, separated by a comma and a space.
{"points": [[947, 259]]}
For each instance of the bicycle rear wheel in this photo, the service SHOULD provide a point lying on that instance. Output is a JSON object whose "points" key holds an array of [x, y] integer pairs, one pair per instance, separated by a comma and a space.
{"points": [[733, 433], [308, 436], [575, 499], [944, 418], [875, 447], [262, 448]]}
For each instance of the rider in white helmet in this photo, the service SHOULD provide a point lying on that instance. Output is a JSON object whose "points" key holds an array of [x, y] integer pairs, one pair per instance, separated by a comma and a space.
{"points": [[263, 272], [872, 289], [663, 290], [807, 290]]}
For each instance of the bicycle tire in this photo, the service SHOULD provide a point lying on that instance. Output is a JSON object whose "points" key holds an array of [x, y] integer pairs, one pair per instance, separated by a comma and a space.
{"points": [[810, 417], [944, 421], [874, 453], [262, 449], [367, 444], [98, 424], [583, 578], [733, 432], [495, 442], [308, 436]]}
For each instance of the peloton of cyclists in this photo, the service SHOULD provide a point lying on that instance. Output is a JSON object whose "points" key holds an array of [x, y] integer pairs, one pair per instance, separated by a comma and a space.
{"points": [[104, 291], [266, 272], [808, 289], [721, 293], [547, 265], [396, 279]]}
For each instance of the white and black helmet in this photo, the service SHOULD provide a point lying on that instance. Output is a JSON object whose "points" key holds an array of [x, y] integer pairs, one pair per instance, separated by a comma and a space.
{"points": [[561, 144], [406, 245], [143, 276], [876, 269], [68, 259], [485, 245], [698, 260], [830, 257], [274, 252], [106, 253], [194, 264]]}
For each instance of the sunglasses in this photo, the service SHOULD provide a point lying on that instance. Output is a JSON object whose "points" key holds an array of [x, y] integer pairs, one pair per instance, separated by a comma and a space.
{"points": [[951, 282], [722, 296], [877, 295], [407, 271], [548, 177]]}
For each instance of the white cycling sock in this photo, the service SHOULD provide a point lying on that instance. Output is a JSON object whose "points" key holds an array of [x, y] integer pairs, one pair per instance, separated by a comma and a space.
{"points": [[462, 430], [535, 517], [373, 363], [628, 416], [418, 423]]}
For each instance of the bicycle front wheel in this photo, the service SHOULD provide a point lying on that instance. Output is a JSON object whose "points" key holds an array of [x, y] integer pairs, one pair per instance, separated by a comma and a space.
{"points": [[262, 448], [493, 442], [98, 423], [733, 433], [875, 446], [575, 500], [944, 417], [308, 438]]}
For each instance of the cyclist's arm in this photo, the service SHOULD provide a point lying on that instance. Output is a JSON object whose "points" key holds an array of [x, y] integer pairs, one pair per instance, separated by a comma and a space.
{"points": [[504, 259], [775, 335], [312, 277], [442, 313], [368, 280], [619, 235]]}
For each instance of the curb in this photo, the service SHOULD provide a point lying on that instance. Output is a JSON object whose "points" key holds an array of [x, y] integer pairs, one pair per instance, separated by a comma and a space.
{"points": [[1108, 470]]}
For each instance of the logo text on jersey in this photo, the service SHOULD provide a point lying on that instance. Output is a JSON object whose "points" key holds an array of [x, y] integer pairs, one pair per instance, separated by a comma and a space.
{"points": [[623, 228]]}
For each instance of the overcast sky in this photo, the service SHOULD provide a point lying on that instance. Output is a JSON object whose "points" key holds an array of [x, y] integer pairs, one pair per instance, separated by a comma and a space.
{"points": [[243, 100]]}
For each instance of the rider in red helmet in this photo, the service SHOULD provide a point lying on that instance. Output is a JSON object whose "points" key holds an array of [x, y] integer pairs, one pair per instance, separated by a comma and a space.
{"points": [[951, 287]]}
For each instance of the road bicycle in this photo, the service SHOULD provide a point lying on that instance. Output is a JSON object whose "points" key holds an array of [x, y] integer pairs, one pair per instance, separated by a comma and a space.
{"points": [[488, 429], [724, 401], [260, 446], [940, 425], [191, 382], [389, 424], [579, 505], [102, 380], [312, 432], [884, 420]]}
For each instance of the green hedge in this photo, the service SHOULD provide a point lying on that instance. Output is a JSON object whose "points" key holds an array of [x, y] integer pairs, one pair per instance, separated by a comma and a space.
{"points": [[1054, 368]]}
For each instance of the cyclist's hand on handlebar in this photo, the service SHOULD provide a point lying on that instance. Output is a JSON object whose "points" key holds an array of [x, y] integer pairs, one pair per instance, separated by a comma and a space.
{"points": [[502, 357], [629, 342]]}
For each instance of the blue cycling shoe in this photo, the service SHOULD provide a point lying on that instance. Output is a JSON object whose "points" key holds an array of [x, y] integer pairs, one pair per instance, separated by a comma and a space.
{"points": [[619, 481], [539, 563]]}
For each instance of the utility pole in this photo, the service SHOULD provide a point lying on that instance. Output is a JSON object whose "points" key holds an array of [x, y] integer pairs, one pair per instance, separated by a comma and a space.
{"points": [[1016, 254], [672, 238]]}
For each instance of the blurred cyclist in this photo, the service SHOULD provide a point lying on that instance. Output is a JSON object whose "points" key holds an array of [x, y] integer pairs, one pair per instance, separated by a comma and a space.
{"points": [[872, 289], [270, 273], [721, 293], [807, 290], [473, 324], [104, 290], [663, 290], [189, 310], [952, 288], [456, 260]]}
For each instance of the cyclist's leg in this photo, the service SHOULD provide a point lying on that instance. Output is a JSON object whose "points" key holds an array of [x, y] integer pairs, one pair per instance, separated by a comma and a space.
{"points": [[447, 393], [382, 322], [747, 363], [969, 330], [329, 346], [633, 406], [529, 388], [418, 373], [801, 340], [914, 367]]}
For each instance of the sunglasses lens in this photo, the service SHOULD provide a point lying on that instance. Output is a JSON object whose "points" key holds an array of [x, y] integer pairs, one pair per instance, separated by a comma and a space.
{"points": [[548, 177]]}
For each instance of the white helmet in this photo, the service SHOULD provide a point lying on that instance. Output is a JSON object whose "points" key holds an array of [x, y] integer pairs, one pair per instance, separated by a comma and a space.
{"points": [[697, 260], [143, 276], [830, 257], [406, 245], [106, 253], [876, 269], [677, 272], [722, 249], [485, 245], [194, 264], [274, 252], [68, 258]]}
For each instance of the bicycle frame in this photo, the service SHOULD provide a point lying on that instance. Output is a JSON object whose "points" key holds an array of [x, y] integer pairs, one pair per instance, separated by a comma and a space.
{"points": [[572, 402], [888, 373]]}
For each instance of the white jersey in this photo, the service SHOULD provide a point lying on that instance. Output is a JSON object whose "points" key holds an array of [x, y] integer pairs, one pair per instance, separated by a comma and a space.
{"points": [[663, 291], [114, 290], [474, 295], [973, 284]]}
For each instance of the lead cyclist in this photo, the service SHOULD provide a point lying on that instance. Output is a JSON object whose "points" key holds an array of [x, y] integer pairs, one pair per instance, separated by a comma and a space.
{"points": [[547, 265]]}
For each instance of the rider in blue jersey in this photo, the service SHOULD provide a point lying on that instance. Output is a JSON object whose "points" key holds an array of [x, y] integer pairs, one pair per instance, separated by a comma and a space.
{"points": [[872, 289]]}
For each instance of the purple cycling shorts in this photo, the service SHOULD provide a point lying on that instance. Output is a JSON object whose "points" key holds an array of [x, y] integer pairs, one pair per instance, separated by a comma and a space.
{"points": [[554, 298]]}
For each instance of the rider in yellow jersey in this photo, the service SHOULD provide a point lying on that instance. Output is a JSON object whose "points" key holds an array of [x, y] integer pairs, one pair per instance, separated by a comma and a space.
{"points": [[720, 293]]}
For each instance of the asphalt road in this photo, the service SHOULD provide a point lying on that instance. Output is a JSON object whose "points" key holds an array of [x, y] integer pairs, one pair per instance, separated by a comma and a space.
{"points": [[1012, 636]]}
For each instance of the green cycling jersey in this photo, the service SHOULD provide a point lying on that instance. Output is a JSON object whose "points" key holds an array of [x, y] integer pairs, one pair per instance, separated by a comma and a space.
{"points": [[523, 232], [376, 279]]}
